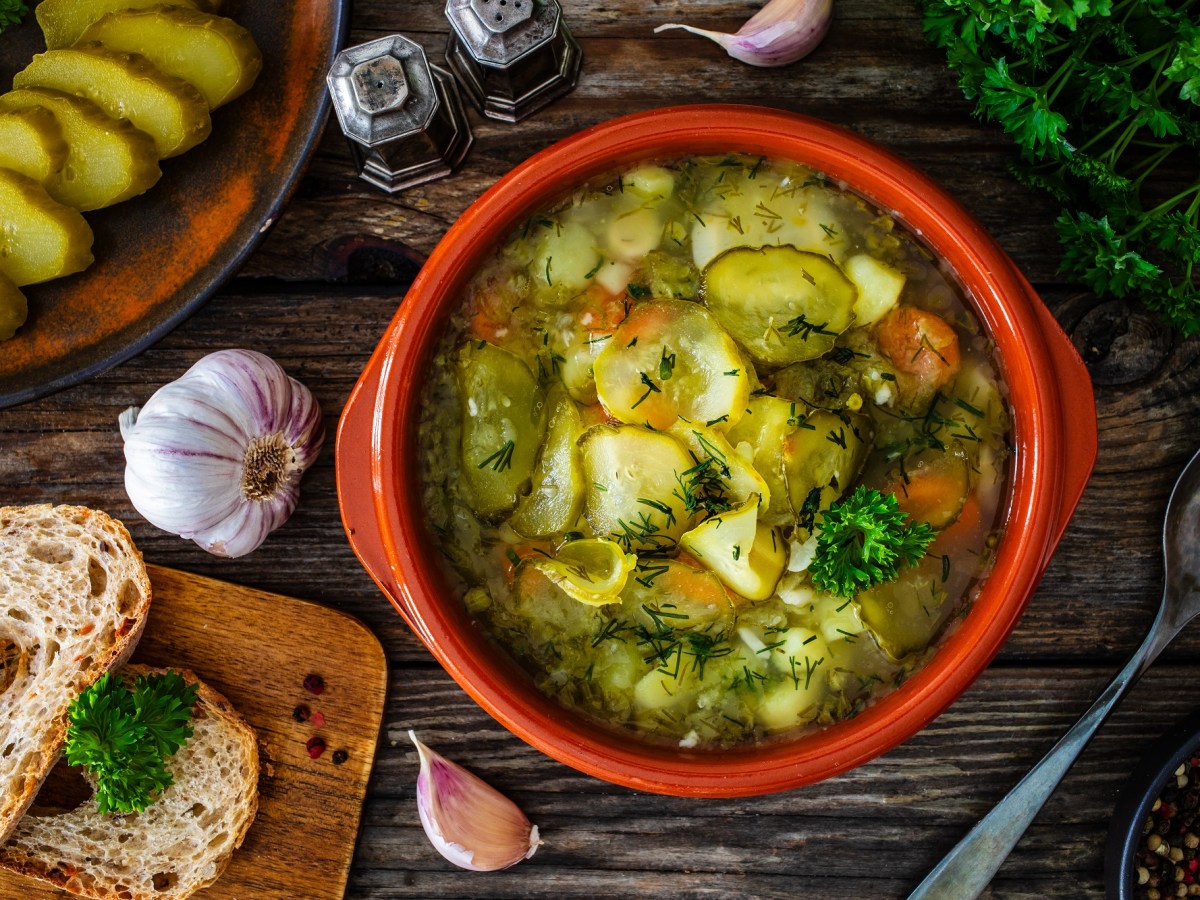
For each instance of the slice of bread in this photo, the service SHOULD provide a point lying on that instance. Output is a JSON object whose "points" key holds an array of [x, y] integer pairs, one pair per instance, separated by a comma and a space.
{"points": [[74, 596], [181, 843]]}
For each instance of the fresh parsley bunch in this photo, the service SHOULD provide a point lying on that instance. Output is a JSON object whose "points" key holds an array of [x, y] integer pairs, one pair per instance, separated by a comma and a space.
{"points": [[124, 737], [12, 12], [1102, 98], [863, 540]]}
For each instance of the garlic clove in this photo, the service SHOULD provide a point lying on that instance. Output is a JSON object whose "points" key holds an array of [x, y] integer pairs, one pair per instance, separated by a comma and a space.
{"points": [[781, 32], [467, 820]]}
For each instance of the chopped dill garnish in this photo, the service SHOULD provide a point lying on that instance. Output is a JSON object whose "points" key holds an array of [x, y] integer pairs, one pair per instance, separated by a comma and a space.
{"points": [[651, 388], [501, 459], [806, 329]]}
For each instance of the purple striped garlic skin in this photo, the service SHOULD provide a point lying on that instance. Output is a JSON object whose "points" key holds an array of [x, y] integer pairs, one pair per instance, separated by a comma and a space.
{"points": [[780, 33], [468, 821], [217, 455]]}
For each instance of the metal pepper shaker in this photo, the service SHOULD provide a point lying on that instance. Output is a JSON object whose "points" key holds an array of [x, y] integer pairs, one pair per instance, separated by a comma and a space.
{"points": [[404, 118], [511, 57]]}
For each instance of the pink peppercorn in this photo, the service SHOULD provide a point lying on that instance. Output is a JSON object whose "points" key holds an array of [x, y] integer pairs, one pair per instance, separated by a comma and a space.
{"points": [[315, 747], [318, 720], [314, 684]]}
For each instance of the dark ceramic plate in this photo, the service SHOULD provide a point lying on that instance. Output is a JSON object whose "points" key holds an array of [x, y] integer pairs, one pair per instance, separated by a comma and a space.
{"points": [[1135, 799], [160, 255]]}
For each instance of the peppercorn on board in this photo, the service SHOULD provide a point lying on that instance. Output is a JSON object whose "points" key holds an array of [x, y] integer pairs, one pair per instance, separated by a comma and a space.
{"points": [[160, 255], [302, 841]]}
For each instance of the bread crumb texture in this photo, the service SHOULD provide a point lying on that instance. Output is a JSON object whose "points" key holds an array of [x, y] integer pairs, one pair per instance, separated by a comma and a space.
{"points": [[73, 601], [179, 844]]}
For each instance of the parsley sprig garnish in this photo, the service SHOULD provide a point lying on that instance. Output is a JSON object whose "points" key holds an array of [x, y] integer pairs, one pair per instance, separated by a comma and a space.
{"points": [[1102, 98], [124, 737], [12, 12], [863, 540]]}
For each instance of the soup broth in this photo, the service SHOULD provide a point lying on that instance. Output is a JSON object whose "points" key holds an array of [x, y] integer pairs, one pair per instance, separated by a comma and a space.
{"points": [[640, 419]]}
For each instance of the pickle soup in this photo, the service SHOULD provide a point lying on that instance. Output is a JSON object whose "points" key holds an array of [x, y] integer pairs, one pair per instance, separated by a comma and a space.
{"points": [[715, 450]]}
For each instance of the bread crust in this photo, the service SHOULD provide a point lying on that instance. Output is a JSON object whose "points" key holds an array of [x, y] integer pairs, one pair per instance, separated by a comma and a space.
{"points": [[26, 532], [77, 880]]}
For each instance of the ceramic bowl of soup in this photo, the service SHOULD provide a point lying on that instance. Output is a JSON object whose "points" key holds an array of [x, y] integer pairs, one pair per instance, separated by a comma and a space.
{"points": [[715, 450]]}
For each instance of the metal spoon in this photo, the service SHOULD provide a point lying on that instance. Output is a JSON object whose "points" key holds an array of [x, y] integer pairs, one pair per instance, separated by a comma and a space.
{"points": [[967, 869]]}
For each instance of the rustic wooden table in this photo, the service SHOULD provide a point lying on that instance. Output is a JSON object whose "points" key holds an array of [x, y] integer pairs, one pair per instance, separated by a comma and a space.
{"points": [[318, 294]]}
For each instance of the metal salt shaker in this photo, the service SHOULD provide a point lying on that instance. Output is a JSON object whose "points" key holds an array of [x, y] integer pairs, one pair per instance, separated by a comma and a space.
{"points": [[404, 118], [511, 57]]}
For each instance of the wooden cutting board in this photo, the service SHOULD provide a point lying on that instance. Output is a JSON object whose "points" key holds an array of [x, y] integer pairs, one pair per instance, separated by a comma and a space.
{"points": [[256, 649]]}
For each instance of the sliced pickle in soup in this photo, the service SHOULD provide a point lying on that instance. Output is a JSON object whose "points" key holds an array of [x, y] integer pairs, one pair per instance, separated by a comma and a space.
{"points": [[904, 615], [632, 486], [822, 457], [719, 466], [503, 420], [591, 570], [746, 555], [556, 498], [668, 360], [763, 431], [782, 304]]}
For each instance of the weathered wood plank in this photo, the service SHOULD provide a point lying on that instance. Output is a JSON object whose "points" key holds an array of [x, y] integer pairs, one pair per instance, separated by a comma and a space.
{"points": [[900, 812]]}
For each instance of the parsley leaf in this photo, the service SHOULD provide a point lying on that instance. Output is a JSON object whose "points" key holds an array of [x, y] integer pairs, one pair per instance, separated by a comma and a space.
{"points": [[12, 12], [1102, 98], [863, 540], [124, 737]]}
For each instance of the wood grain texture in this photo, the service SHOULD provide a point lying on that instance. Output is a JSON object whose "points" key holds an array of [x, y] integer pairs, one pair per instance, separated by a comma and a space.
{"points": [[319, 292], [302, 840]]}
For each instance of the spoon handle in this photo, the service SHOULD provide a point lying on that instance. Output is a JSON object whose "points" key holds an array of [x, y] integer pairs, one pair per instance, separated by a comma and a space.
{"points": [[966, 870]]}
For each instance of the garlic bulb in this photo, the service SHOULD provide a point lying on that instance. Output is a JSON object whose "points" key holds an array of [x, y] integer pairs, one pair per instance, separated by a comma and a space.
{"points": [[781, 32], [469, 822], [216, 456]]}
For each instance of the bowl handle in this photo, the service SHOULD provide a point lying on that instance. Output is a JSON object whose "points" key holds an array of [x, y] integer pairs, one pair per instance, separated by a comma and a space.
{"points": [[355, 485], [1077, 404]]}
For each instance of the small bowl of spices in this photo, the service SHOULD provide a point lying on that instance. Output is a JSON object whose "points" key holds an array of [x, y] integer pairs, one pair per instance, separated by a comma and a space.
{"points": [[1154, 836]]}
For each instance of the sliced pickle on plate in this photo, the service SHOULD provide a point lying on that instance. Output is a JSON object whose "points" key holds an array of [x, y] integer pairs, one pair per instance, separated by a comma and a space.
{"points": [[590, 570], [782, 304], [503, 421], [31, 142], [556, 498], [63, 21], [214, 54], [668, 360], [126, 86], [13, 308], [745, 554], [632, 486], [40, 239], [108, 160], [822, 457]]}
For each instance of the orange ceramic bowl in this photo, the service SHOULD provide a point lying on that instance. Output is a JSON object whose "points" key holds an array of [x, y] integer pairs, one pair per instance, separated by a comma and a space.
{"points": [[1054, 433]]}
